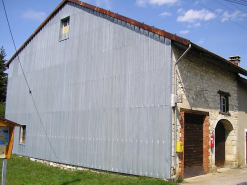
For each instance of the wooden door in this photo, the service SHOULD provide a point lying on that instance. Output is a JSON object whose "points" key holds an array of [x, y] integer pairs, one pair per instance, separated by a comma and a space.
{"points": [[193, 140], [220, 139]]}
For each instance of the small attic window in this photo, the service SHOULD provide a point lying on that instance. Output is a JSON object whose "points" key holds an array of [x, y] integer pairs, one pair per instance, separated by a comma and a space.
{"points": [[64, 29]]}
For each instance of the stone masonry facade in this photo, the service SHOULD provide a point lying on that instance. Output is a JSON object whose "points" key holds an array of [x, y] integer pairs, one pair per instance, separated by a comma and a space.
{"points": [[198, 83]]}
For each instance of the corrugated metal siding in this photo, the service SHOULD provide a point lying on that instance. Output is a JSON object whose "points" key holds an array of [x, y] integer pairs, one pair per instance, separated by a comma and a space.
{"points": [[103, 95]]}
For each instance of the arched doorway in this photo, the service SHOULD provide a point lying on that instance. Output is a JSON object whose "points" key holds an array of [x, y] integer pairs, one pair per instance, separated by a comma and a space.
{"points": [[222, 131]]}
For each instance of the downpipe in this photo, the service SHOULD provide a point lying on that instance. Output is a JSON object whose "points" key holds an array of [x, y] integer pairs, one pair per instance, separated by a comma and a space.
{"points": [[175, 108]]}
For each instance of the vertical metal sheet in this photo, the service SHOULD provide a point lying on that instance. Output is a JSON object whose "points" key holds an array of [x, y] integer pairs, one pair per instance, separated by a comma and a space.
{"points": [[103, 95]]}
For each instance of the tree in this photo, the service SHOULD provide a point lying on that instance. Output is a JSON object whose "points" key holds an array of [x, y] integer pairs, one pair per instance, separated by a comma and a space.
{"points": [[3, 76], [3, 82]]}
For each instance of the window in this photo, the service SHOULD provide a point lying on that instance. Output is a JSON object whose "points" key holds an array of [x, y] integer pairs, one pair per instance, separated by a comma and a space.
{"points": [[23, 134], [64, 29], [224, 102]]}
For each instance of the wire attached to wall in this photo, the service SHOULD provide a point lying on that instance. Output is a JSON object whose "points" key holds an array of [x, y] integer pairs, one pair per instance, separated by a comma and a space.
{"points": [[29, 90]]}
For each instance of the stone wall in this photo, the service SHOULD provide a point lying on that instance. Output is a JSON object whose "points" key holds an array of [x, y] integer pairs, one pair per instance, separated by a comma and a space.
{"points": [[242, 123], [198, 83]]}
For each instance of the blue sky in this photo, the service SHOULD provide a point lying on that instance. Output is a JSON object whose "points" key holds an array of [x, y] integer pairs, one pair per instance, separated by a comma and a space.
{"points": [[217, 25]]}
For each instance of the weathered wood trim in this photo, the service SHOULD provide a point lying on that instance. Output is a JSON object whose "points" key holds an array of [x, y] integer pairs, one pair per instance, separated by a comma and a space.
{"points": [[190, 111]]}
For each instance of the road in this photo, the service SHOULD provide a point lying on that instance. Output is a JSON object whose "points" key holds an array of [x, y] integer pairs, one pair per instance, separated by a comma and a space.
{"points": [[223, 176]]}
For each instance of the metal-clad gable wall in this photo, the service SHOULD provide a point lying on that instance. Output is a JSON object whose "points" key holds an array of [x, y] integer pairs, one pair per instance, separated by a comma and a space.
{"points": [[103, 95]]}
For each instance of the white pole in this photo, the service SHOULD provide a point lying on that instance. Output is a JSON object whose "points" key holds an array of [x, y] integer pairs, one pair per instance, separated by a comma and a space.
{"points": [[4, 167]]}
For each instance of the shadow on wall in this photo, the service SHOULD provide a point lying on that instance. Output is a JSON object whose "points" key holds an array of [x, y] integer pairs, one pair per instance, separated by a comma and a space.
{"points": [[242, 95]]}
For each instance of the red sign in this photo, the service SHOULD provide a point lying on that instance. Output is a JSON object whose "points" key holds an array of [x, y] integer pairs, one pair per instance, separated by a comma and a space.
{"points": [[212, 141]]}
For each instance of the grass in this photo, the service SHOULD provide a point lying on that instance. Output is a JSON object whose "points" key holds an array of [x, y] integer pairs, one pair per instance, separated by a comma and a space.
{"points": [[21, 170]]}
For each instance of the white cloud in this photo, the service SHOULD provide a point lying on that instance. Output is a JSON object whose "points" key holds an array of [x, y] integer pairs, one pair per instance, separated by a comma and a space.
{"points": [[184, 32], [236, 15], [218, 11], [195, 15], [243, 15], [181, 11], [141, 2], [155, 2], [105, 3], [165, 14], [197, 24], [30, 14], [194, 25], [200, 41], [202, 1], [162, 2]]}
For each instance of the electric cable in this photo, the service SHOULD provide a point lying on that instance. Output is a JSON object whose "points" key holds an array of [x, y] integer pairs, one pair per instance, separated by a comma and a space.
{"points": [[30, 92], [219, 14], [237, 7], [226, 6], [241, 2]]}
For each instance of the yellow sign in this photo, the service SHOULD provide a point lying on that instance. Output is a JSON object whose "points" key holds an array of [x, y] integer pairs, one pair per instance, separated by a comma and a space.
{"points": [[179, 147]]}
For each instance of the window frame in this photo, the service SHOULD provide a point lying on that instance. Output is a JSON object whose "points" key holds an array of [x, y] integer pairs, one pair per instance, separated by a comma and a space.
{"points": [[23, 133], [224, 102], [63, 31]]}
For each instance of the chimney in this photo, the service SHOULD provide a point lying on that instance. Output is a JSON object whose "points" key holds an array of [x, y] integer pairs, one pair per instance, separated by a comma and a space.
{"points": [[235, 60]]}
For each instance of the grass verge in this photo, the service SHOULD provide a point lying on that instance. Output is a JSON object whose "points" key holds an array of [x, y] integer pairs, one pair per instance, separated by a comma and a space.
{"points": [[21, 170]]}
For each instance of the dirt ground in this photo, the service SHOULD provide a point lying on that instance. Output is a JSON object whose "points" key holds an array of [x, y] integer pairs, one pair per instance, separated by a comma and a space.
{"points": [[223, 176]]}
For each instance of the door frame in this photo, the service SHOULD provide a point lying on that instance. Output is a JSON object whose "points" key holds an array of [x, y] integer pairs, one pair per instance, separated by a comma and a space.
{"points": [[245, 141], [228, 132], [206, 138], [216, 137]]}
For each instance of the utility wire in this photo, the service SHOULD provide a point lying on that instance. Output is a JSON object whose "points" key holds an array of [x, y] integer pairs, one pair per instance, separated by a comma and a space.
{"points": [[28, 84], [219, 14], [241, 2], [226, 6], [236, 6]]}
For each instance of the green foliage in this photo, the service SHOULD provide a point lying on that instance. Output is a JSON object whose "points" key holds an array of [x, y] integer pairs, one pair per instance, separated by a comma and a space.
{"points": [[21, 171], [3, 75], [2, 110]]}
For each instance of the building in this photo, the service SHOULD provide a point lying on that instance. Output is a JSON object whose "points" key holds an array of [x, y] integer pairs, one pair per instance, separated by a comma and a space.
{"points": [[242, 125], [107, 93], [208, 89]]}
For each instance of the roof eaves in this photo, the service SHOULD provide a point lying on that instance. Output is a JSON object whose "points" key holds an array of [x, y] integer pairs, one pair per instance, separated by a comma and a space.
{"points": [[241, 79], [34, 33], [111, 14], [9, 122], [134, 22], [223, 60]]}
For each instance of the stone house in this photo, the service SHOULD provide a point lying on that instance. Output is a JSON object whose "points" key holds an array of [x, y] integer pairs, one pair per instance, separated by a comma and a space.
{"points": [[242, 122], [99, 90], [208, 88]]}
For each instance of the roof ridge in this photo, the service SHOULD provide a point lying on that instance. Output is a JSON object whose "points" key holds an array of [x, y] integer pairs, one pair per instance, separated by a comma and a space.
{"points": [[144, 26]]}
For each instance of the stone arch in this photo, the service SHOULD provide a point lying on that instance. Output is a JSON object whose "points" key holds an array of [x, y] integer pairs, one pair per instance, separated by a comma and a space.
{"points": [[224, 143]]}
